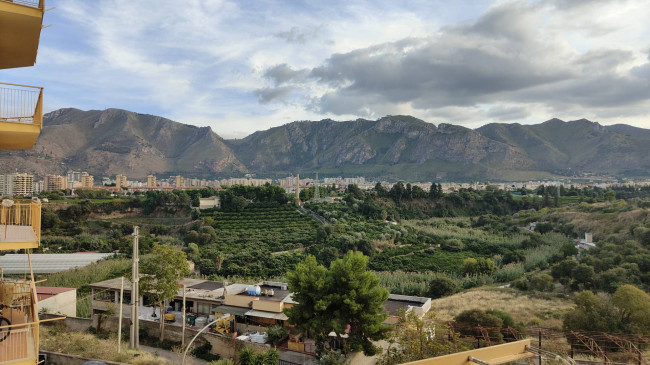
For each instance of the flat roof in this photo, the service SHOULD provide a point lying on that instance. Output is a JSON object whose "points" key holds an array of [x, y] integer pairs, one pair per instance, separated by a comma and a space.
{"points": [[279, 295], [46, 263], [392, 306], [195, 289]]}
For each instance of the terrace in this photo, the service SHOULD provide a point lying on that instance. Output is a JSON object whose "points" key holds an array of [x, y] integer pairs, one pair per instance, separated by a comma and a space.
{"points": [[21, 115], [20, 224], [20, 344]]}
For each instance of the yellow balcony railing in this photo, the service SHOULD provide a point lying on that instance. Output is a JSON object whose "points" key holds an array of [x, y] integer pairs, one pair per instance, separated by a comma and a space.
{"points": [[20, 224], [21, 115], [19, 326]]}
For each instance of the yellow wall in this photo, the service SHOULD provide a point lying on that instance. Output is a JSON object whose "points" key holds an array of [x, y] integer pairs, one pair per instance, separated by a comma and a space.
{"points": [[268, 306], [240, 300]]}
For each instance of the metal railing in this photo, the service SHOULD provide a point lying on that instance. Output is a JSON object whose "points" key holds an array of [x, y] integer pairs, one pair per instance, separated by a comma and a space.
{"points": [[39, 4], [21, 103], [19, 339], [20, 221]]}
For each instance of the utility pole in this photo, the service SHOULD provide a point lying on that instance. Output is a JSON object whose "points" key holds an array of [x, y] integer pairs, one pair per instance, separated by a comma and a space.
{"points": [[184, 318], [119, 321], [135, 295]]}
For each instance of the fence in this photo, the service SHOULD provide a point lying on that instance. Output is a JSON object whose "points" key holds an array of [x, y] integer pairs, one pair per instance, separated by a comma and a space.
{"points": [[610, 348], [31, 3], [21, 103]]}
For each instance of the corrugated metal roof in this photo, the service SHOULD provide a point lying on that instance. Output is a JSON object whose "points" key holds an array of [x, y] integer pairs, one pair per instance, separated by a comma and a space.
{"points": [[48, 263]]}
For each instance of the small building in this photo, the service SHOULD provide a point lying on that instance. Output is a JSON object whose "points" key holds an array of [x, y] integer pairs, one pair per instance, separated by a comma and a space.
{"points": [[586, 243], [57, 300], [211, 202], [396, 303]]}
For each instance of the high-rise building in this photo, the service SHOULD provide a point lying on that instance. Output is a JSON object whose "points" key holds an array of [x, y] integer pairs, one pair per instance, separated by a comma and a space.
{"points": [[23, 184], [74, 176], [87, 181], [120, 181], [180, 182], [55, 182], [151, 181]]}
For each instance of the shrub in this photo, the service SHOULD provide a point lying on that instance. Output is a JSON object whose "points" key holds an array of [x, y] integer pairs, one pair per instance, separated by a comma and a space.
{"points": [[442, 287]]}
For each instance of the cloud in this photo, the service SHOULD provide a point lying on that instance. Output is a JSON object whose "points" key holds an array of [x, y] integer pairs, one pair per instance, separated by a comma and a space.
{"points": [[283, 73], [507, 56], [506, 113], [241, 66], [267, 95]]}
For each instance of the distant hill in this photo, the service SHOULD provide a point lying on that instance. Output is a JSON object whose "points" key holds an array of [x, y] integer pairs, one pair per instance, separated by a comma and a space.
{"points": [[116, 141]]}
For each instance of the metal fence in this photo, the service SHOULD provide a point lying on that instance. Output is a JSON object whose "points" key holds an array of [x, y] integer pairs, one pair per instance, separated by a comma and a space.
{"points": [[20, 103], [39, 4]]}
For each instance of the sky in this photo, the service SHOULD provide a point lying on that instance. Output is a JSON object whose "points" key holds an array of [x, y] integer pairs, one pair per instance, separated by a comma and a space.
{"points": [[243, 66]]}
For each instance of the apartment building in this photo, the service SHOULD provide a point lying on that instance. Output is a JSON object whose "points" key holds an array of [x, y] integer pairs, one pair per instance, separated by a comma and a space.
{"points": [[16, 184], [87, 181], [120, 181], [151, 181], [55, 182]]}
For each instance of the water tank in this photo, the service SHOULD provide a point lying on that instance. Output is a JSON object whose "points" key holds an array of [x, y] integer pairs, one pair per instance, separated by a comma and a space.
{"points": [[254, 290]]}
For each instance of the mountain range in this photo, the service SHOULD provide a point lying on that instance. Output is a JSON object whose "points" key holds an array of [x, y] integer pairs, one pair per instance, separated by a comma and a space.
{"points": [[114, 141]]}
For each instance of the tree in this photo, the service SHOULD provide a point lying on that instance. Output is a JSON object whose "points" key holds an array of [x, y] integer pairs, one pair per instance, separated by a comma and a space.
{"points": [[162, 271], [441, 287], [634, 309], [344, 299], [276, 334]]}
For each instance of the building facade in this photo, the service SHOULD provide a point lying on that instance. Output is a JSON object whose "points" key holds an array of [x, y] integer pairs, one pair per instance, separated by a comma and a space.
{"points": [[151, 181], [87, 181], [55, 182]]}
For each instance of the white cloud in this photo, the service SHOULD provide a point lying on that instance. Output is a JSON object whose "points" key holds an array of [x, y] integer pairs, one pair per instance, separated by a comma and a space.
{"points": [[218, 62]]}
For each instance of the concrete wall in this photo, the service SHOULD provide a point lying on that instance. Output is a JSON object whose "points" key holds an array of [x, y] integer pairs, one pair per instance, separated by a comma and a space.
{"points": [[55, 358], [69, 323], [63, 303]]}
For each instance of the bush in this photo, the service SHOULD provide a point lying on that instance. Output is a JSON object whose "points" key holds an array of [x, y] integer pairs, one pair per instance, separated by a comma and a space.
{"points": [[442, 287], [541, 282]]}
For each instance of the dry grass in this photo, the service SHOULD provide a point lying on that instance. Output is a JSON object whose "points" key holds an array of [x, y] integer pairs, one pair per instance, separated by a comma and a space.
{"points": [[523, 308], [89, 346]]}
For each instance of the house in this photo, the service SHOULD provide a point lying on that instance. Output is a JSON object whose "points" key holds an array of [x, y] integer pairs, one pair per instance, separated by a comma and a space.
{"points": [[407, 303], [586, 243], [57, 300], [250, 306], [211, 202]]}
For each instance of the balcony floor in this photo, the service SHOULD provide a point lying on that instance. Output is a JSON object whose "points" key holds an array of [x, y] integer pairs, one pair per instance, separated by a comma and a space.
{"points": [[12, 233]]}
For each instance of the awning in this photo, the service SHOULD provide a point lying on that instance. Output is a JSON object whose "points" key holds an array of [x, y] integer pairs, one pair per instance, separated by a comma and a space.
{"points": [[263, 314], [238, 311]]}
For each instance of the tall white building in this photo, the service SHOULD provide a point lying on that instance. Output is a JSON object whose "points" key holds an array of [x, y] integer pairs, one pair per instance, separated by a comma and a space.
{"points": [[16, 184]]}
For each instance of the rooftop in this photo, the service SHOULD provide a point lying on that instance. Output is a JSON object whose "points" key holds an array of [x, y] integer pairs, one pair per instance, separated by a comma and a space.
{"points": [[48, 263], [44, 292]]}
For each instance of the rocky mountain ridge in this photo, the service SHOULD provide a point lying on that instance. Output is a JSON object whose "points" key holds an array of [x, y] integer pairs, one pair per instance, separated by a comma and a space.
{"points": [[117, 141]]}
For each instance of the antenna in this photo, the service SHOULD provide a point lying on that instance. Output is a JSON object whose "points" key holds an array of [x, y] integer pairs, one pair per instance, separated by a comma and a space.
{"points": [[317, 192]]}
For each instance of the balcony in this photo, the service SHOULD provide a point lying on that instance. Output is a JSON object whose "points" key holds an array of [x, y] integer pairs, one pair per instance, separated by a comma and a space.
{"points": [[21, 115], [20, 344], [20, 224], [20, 25]]}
